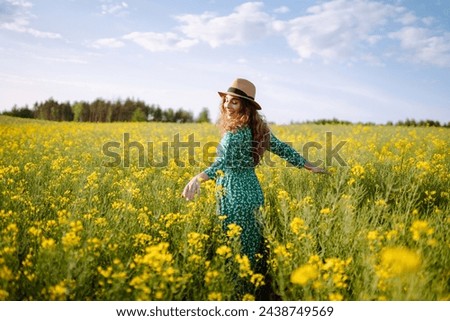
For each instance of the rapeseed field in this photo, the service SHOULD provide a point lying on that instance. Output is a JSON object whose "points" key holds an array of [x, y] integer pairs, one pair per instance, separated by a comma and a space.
{"points": [[93, 212]]}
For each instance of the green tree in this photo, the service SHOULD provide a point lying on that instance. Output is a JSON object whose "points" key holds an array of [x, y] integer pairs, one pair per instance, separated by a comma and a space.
{"points": [[138, 115], [203, 117]]}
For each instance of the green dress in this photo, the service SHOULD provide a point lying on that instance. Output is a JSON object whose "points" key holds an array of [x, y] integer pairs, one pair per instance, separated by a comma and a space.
{"points": [[239, 193]]}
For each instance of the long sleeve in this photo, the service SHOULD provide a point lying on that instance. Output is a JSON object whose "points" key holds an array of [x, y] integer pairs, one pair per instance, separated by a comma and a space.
{"points": [[286, 152]]}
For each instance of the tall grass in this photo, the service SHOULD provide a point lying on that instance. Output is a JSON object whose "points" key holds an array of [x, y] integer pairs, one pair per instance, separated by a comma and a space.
{"points": [[73, 227]]}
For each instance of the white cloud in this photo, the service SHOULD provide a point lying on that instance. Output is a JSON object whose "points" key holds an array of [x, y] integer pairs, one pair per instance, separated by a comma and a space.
{"points": [[282, 9], [113, 7], [16, 17], [247, 23], [423, 46], [108, 43], [337, 30], [334, 30], [160, 42]]}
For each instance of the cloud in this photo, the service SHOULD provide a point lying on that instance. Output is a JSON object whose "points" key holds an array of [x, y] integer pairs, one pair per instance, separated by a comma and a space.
{"points": [[108, 43], [344, 31], [337, 29], [422, 46], [160, 42], [282, 9], [113, 7], [247, 23], [16, 15]]}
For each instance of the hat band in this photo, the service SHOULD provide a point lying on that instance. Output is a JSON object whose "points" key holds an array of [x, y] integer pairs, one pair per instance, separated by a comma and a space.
{"points": [[239, 92]]}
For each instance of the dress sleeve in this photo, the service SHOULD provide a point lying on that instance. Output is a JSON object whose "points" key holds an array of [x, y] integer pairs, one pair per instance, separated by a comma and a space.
{"points": [[217, 165], [286, 152]]}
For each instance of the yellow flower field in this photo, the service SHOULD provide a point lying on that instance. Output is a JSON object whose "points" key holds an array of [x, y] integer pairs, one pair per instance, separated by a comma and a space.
{"points": [[93, 212]]}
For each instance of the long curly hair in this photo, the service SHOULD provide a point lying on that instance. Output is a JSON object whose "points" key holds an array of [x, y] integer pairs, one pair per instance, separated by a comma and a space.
{"points": [[247, 115]]}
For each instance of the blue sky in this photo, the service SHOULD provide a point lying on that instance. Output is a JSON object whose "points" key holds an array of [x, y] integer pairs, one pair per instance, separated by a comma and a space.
{"points": [[357, 60]]}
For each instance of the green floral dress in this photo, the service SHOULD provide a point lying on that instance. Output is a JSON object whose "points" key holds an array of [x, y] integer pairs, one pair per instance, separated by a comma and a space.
{"points": [[239, 192]]}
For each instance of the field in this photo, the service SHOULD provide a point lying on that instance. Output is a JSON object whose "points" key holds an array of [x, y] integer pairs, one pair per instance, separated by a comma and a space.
{"points": [[93, 212]]}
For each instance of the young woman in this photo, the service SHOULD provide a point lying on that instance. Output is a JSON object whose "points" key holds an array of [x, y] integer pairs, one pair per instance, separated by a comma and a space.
{"points": [[246, 137]]}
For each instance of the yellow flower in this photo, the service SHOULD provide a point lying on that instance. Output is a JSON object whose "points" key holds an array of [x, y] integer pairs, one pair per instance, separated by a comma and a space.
{"points": [[224, 251], [58, 291], [297, 225], [248, 297], [234, 230], [283, 195], [257, 279], [210, 276], [244, 265], [335, 297], [419, 228], [195, 240], [358, 171], [381, 203], [3, 294], [304, 274], [70, 239], [215, 296], [399, 260], [325, 211], [48, 243], [372, 235]]}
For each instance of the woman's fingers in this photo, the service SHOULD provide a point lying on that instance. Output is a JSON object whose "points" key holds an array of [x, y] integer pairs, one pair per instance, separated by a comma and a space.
{"points": [[192, 188]]}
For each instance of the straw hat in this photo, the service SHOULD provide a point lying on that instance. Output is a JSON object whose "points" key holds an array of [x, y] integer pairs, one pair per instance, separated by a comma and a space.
{"points": [[242, 88]]}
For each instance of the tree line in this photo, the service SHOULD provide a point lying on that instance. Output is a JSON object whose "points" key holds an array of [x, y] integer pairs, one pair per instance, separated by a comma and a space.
{"points": [[101, 110], [408, 122], [135, 110]]}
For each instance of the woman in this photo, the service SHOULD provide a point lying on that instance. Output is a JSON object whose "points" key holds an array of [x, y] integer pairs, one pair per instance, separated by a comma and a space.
{"points": [[245, 138]]}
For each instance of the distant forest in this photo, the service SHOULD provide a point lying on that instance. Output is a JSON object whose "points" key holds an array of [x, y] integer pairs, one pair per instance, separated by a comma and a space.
{"points": [[130, 110], [101, 110]]}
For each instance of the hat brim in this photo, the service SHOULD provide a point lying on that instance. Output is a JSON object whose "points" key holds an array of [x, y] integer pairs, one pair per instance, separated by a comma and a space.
{"points": [[221, 94]]}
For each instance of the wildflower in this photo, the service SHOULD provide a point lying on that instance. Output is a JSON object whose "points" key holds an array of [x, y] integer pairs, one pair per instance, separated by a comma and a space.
{"points": [[58, 291], [70, 239], [6, 273], [248, 297], [244, 265], [159, 295], [195, 240], [195, 258], [335, 297], [215, 296], [304, 274], [297, 225], [3, 295], [372, 235], [48, 243], [399, 260], [325, 211], [380, 203], [224, 251], [210, 276], [257, 279], [283, 195], [282, 251], [419, 228], [358, 171], [234, 230]]}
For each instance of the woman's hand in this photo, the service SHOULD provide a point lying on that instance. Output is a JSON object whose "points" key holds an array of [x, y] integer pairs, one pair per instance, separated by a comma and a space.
{"points": [[319, 170], [191, 189], [315, 169]]}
